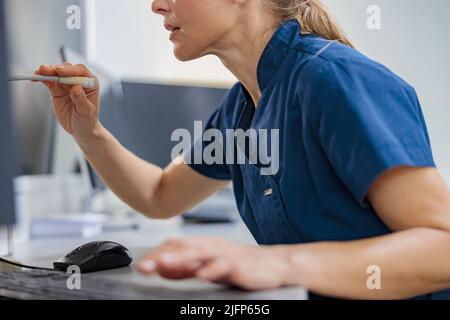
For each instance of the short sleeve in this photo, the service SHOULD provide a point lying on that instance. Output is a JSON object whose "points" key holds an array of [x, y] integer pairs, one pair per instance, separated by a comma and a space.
{"points": [[219, 171], [367, 120]]}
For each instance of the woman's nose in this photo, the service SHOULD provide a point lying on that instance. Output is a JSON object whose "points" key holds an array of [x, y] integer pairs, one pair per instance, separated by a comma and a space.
{"points": [[161, 7]]}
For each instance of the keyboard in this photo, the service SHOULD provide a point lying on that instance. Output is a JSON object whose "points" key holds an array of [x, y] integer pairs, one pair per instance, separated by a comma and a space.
{"points": [[52, 285], [209, 215], [220, 208]]}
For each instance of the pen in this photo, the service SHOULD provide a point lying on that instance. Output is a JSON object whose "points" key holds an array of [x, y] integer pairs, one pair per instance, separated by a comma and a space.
{"points": [[85, 82]]}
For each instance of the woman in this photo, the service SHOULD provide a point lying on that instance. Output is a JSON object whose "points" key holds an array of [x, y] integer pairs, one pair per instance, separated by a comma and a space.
{"points": [[356, 189]]}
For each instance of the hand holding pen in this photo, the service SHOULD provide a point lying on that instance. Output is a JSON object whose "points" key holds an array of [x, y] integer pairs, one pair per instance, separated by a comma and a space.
{"points": [[75, 96]]}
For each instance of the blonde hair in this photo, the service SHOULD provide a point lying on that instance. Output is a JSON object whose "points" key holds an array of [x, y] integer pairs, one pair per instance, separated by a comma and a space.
{"points": [[313, 16]]}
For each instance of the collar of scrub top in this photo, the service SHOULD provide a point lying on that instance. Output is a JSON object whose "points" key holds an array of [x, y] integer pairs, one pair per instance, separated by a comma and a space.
{"points": [[276, 51], [272, 58]]}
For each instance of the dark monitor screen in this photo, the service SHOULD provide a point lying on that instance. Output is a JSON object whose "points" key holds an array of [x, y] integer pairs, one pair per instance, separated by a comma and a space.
{"points": [[145, 118], [7, 153]]}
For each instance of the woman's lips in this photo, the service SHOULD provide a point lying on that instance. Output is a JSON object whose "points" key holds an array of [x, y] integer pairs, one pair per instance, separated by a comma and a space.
{"points": [[174, 30], [174, 33]]}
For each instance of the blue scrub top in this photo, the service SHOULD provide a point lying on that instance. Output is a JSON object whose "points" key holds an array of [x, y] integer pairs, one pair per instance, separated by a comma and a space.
{"points": [[343, 119]]}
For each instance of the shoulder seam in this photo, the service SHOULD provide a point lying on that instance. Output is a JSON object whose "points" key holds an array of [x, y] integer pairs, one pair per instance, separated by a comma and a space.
{"points": [[324, 48], [317, 54]]}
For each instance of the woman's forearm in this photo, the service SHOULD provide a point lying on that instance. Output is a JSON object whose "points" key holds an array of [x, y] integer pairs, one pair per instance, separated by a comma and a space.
{"points": [[411, 263], [131, 178]]}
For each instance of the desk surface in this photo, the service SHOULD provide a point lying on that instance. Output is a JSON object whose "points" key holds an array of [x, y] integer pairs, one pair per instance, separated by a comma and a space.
{"points": [[43, 252]]}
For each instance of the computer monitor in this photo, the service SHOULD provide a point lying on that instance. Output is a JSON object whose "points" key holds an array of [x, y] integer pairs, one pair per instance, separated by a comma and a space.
{"points": [[144, 122], [8, 164], [149, 113]]}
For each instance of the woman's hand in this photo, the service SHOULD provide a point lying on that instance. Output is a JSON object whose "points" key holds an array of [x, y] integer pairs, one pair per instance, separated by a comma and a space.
{"points": [[77, 109], [220, 261]]}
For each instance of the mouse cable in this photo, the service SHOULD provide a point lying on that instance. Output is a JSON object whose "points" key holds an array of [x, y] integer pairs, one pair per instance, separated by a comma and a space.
{"points": [[24, 265]]}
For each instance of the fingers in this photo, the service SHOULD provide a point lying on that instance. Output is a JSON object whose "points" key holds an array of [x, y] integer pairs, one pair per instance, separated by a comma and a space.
{"points": [[148, 264], [82, 104], [167, 266], [175, 259], [63, 70], [216, 270], [46, 70], [172, 245], [77, 91], [69, 70], [56, 90], [217, 261], [173, 264]]}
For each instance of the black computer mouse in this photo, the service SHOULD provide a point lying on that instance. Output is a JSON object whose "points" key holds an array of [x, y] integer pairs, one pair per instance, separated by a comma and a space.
{"points": [[96, 256]]}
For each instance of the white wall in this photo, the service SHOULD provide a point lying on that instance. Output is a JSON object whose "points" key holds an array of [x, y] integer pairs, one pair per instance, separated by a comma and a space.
{"points": [[413, 42], [132, 39]]}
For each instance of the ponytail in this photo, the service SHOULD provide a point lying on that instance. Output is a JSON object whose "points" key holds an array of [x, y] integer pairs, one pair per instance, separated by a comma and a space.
{"points": [[313, 16]]}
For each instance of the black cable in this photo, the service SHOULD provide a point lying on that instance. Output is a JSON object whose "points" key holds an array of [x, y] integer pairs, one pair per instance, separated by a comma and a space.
{"points": [[25, 266]]}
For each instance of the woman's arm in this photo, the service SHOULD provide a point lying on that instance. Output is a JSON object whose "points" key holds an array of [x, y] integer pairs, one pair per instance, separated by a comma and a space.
{"points": [[411, 263], [156, 192], [147, 188], [414, 260]]}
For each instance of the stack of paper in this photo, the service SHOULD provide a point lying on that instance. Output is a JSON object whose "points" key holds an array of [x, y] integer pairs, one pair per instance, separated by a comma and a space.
{"points": [[79, 225]]}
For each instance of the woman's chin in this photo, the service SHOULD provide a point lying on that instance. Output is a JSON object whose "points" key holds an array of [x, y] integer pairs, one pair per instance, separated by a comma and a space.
{"points": [[184, 55]]}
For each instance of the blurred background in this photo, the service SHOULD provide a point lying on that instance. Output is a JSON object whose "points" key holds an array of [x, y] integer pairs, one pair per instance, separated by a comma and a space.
{"points": [[128, 47]]}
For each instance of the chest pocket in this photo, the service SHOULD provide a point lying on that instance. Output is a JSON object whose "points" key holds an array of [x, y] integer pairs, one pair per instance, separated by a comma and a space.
{"points": [[268, 211]]}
